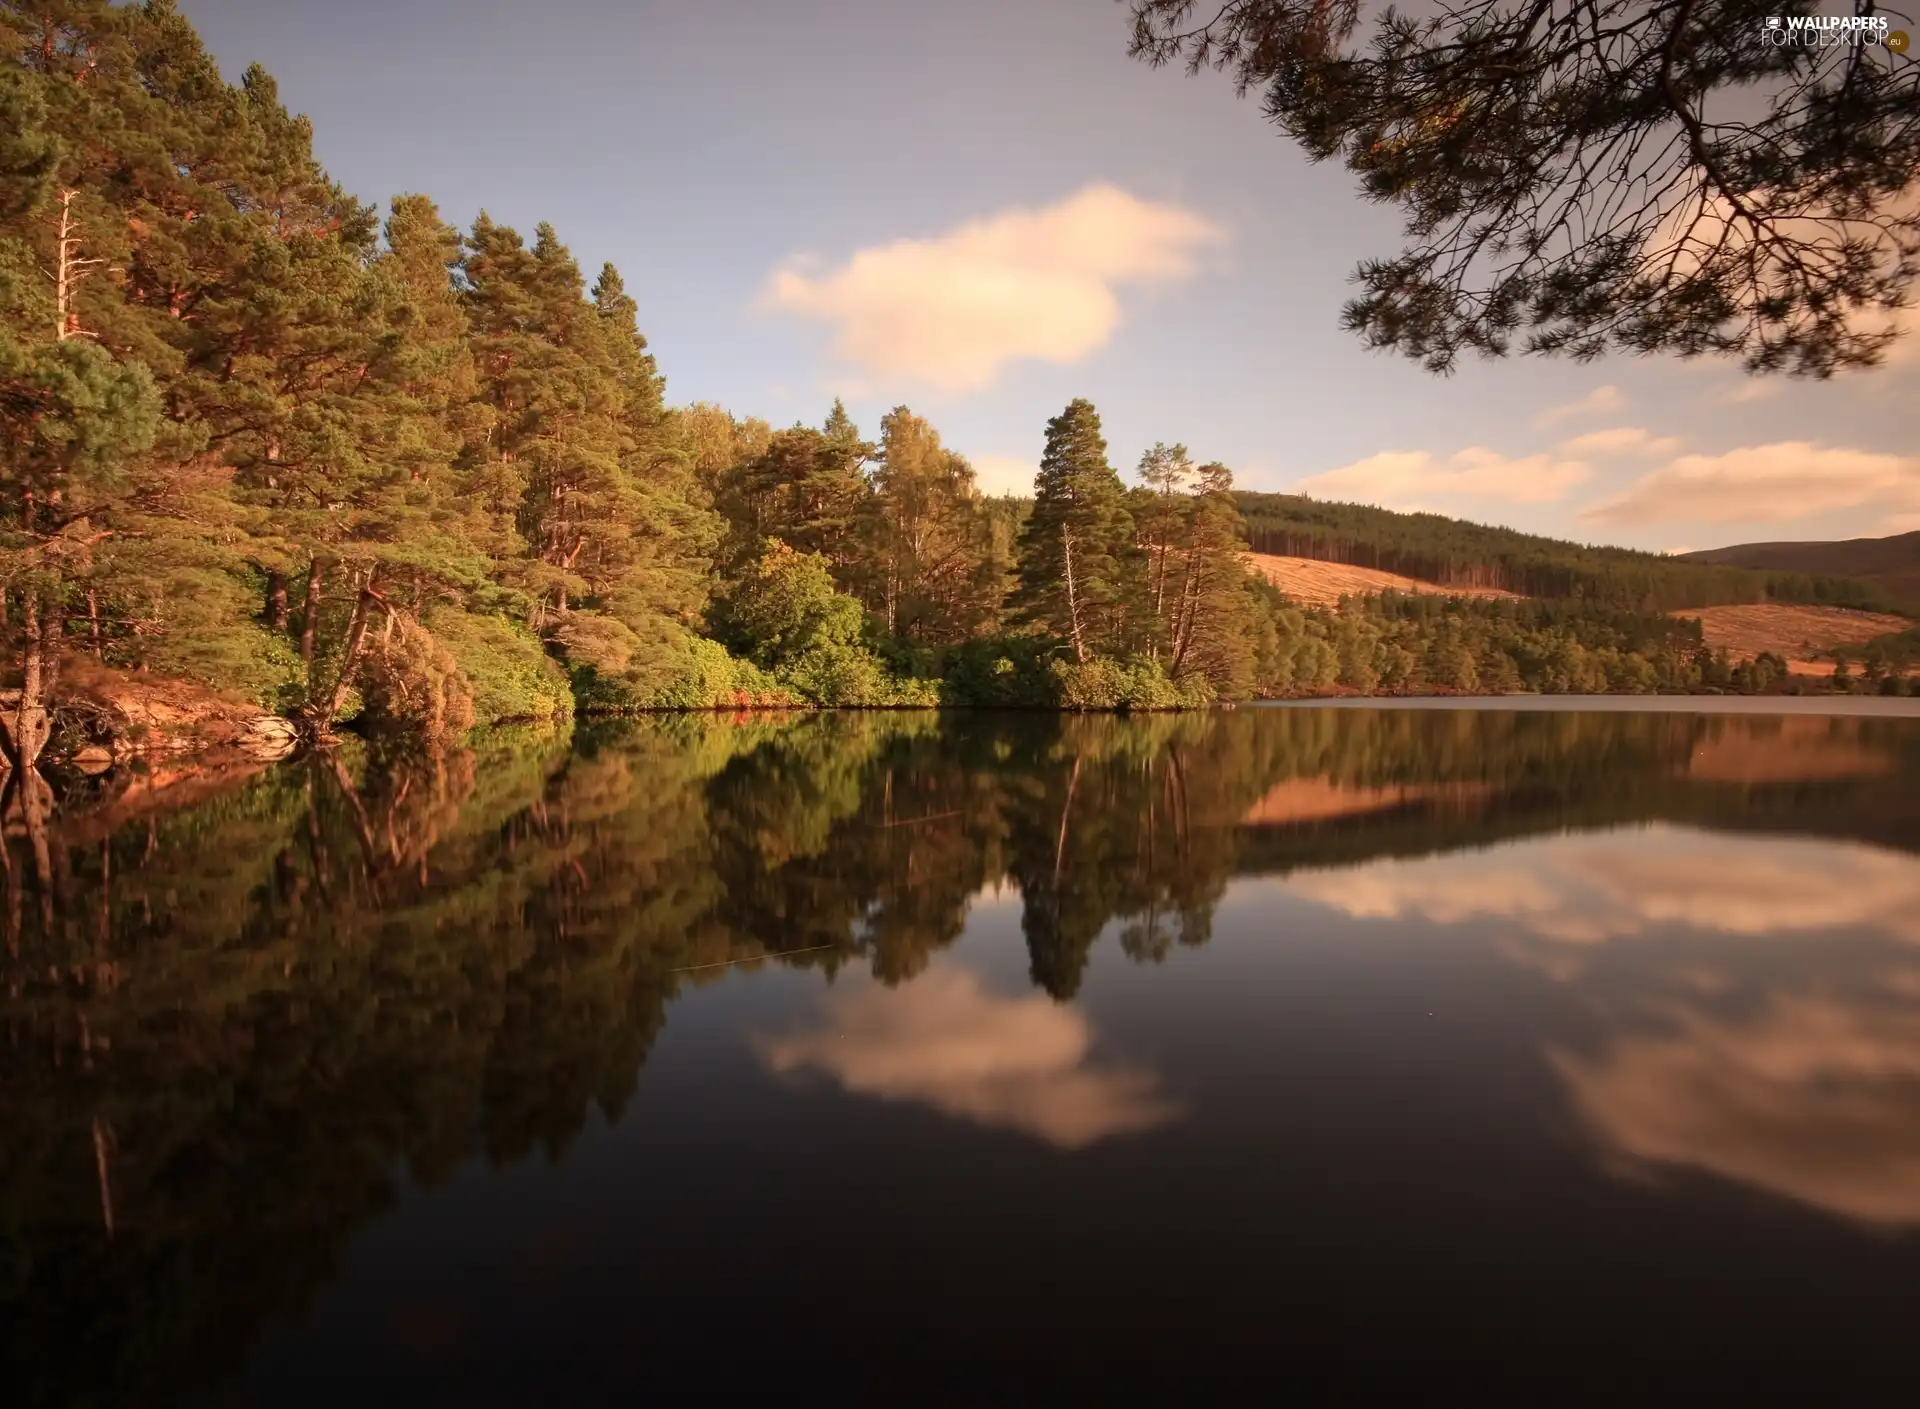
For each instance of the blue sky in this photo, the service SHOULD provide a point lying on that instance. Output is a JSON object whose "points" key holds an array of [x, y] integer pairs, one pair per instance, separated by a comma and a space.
{"points": [[984, 209]]}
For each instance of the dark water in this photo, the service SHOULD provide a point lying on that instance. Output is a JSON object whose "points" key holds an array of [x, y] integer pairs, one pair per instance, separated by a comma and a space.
{"points": [[1533, 1057]]}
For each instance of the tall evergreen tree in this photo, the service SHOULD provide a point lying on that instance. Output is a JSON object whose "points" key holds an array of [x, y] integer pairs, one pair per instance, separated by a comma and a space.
{"points": [[1162, 517], [930, 543], [1077, 563], [658, 566], [1211, 613]]}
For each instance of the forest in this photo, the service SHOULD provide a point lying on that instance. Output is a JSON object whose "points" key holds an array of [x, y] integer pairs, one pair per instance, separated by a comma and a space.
{"points": [[364, 467]]}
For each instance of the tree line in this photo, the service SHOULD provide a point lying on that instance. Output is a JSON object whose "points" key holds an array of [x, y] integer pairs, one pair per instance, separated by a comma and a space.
{"points": [[259, 437], [348, 466]]}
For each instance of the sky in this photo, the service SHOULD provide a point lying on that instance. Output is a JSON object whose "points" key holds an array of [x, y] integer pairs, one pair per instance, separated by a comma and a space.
{"points": [[982, 209]]}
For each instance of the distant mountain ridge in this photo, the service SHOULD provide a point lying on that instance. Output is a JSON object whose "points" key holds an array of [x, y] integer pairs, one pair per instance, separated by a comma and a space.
{"points": [[1455, 553], [1892, 564]]}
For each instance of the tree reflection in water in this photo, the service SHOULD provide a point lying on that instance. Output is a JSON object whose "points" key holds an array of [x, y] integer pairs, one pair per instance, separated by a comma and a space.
{"points": [[232, 1024]]}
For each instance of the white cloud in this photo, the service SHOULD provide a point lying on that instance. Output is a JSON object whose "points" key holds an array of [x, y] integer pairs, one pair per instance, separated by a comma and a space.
{"points": [[1601, 399], [943, 1041], [1621, 440], [1765, 484], [952, 310], [1401, 477], [1003, 474]]}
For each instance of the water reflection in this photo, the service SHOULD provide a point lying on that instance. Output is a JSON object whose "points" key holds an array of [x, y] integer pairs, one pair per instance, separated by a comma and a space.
{"points": [[1586, 889], [1800, 1081], [241, 1016], [947, 1043], [1811, 1097]]}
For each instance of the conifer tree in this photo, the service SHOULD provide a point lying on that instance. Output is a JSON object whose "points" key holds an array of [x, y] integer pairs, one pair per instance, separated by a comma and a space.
{"points": [[1077, 564], [1162, 518], [1210, 611], [807, 489], [659, 564], [930, 542]]}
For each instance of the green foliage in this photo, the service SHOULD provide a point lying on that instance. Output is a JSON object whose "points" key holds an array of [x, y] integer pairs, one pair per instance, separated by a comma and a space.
{"points": [[692, 673], [1136, 683], [508, 675], [787, 618], [419, 478], [1002, 672], [1402, 645], [1079, 572], [786, 607]]}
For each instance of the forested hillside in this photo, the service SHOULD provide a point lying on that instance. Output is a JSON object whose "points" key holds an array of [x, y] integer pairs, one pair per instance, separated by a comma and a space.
{"points": [[1453, 553], [354, 466], [1890, 564]]}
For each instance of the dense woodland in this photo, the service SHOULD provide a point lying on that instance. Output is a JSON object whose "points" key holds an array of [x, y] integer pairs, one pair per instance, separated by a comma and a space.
{"points": [[235, 1031], [369, 467]]}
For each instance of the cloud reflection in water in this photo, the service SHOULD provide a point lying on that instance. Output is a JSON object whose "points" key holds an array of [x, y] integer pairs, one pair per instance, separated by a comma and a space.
{"points": [[1801, 1079], [1591, 887], [945, 1042], [1812, 1098]]}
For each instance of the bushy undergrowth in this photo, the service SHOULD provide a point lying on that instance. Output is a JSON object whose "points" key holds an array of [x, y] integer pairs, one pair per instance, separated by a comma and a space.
{"points": [[1029, 672], [508, 672]]}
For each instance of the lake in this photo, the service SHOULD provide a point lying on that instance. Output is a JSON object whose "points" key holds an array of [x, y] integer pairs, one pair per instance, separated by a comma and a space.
{"points": [[1543, 1055]]}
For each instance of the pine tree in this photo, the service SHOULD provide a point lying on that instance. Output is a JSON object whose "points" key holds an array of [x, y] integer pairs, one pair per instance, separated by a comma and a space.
{"points": [[930, 543], [807, 489], [659, 564], [1210, 612], [1162, 518], [1077, 564]]}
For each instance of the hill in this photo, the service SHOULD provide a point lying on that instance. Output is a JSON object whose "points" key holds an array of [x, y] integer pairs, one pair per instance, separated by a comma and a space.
{"points": [[1797, 634], [1892, 564], [1456, 555], [1323, 584]]}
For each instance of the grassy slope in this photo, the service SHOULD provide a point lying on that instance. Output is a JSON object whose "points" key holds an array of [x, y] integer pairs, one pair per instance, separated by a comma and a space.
{"points": [[1323, 584]]}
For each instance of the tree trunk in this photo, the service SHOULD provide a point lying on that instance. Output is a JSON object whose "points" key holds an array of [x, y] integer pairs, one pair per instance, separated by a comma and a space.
{"points": [[356, 639], [1184, 612], [1073, 600], [103, 1145], [277, 614], [12, 911], [25, 736], [310, 614], [1066, 812]]}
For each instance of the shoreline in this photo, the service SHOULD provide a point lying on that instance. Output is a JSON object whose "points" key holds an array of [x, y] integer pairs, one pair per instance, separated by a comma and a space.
{"points": [[1863, 706]]}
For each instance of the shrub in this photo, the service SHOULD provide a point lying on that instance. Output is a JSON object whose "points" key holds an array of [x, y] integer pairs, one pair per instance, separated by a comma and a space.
{"points": [[509, 675], [1125, 685], [412, 684]]}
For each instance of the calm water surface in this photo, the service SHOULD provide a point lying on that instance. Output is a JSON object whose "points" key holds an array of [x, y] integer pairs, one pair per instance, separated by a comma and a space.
{"points": [[1534, 1056]]}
